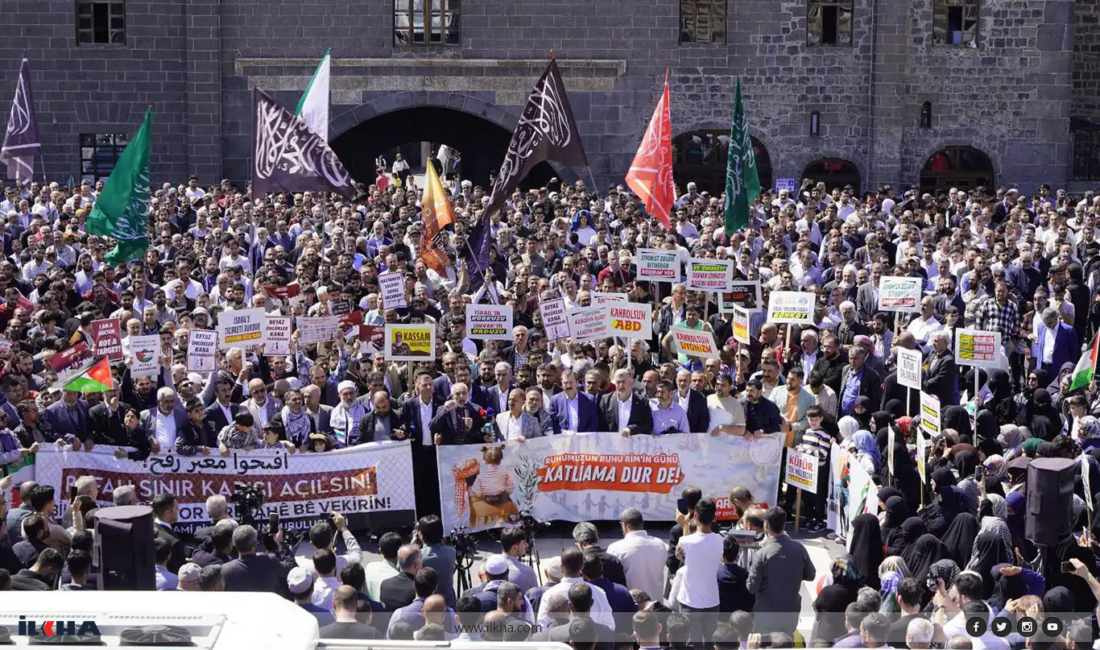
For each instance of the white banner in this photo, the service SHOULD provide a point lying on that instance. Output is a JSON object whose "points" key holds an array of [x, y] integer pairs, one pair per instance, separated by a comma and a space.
{"points": [[201, 348], [368, 483], [862, 495], [588, 324], [555, 320], [631, 320], [977, 348], [899, 293], [317, 329], [801, 470], [909, 368], [594, 476], [241, 328], [145, 356], [277, 329], [791, 307], [709, 275], [490, 322], [392, 286], [694, 343], [658, 266]]}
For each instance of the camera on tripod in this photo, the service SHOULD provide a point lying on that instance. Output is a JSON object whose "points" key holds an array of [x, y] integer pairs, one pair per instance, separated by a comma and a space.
{"points": [[527, 522], [248, 503], [463, 543]]}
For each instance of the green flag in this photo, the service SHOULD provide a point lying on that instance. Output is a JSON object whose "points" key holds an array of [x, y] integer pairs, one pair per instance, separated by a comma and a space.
{"points": [[742, 180], [122, 208]]}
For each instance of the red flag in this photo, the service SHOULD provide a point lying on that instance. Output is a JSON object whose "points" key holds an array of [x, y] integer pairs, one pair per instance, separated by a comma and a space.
{"points": [[650, 174]]}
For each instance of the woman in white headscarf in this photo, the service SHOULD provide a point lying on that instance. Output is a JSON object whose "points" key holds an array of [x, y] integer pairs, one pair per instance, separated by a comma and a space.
{"points": [[848, 426]]}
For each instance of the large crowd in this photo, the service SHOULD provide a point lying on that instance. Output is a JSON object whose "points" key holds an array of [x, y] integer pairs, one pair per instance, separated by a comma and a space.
{"points": [[939, 552]]}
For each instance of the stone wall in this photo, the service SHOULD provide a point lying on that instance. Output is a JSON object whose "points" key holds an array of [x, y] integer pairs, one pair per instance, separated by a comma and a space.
{"points": [[1086, 60]]}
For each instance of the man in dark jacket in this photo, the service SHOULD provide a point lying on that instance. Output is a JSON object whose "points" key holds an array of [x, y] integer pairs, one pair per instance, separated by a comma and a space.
{"points": [[611, 407], [253, 571], [380, 424], [42, 575], [166, 509], [733, 594], [941, 378], [618, 596], [400, 590], [858, 380], [587, 538]]}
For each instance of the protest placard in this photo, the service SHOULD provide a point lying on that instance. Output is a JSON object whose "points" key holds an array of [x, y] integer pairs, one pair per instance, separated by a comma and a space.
{"points": [[600, 298], [694, 343], [555, 319], [896, 293], [922, 455], [741, 325], [930, 414], [801, 471], [277, 330], [788, 184], [977, 348], [107, 334], [588, 324], [909, 368], [241, 328], [632, 320], [145, 356], [392, 286], [742, 293], [658, 266], [410, 342], [285, 292], [709, 275], [791, 307], [317, 329], [201, 348], [489, 322], [68, 362]]}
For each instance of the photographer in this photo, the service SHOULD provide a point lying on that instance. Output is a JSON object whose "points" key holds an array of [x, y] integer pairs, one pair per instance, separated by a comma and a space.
{"points": [[321, 536], [254, 571]]}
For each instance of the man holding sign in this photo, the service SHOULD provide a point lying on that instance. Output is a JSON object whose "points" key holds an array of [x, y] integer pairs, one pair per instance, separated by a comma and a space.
{"points": [[690, 358]]}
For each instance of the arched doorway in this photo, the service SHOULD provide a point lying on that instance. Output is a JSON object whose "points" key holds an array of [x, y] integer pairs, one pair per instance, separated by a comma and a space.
{"points": [[834, 172], [964, 168], [700, 156], [480, 143]]}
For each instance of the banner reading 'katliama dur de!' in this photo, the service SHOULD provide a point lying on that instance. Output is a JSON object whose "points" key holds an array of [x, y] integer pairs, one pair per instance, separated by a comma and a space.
{"points": [[367, 483]]}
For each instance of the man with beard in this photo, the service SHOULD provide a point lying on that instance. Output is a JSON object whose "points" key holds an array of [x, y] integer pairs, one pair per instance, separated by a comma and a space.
{"points": [[417, 414], [831, 362], [459, 422], [941, 375], [380, 425]]}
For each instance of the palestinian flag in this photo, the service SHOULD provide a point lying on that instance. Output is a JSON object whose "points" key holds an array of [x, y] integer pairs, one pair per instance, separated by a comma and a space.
{"points": [[93, 378], [1083, 373]]}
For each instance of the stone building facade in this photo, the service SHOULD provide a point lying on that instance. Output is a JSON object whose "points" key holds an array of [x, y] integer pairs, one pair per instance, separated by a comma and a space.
{"points": [[878, 107]]}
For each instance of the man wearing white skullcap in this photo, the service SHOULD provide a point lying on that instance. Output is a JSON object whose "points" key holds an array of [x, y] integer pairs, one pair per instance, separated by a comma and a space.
{"points": [[346, 415]]}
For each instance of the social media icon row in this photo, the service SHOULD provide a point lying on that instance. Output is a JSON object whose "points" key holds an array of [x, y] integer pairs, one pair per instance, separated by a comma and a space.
{"points": [[1003, 627]]}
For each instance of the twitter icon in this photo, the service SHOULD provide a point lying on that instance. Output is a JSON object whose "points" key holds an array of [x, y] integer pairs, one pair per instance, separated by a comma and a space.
{"points": [[1001, 627]]}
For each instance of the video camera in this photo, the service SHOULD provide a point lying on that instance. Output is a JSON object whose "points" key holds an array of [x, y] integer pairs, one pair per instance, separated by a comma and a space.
{"points": [[248, 503]]}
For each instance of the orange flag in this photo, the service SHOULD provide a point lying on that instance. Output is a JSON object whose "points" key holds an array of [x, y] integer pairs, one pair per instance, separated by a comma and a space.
{"points": [[436, 213], [650, 174]]}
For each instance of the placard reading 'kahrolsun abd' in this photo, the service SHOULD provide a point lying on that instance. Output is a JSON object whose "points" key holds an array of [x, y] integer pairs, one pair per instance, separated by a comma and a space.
{"points": [[631, 320], [489, 322]]}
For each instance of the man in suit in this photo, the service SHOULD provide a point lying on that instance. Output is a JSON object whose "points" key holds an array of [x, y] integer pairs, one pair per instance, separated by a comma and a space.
{"points": [[105, 419], [582, 631], [417, 414], [497, 395], [253, 571], [164, 423], [166, 510], [442, 383], [571, 409], [1056, 342], [321, 414], [378, 420], [867, 296], [693, 402], [68, 414], [942, 375], [459, 422], [262, 406], [858, 379], [221, 412], [623, 411], [399, 591]]}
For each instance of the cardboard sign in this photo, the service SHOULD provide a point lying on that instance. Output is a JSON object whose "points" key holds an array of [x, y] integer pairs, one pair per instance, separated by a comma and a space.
{"points": [[742, 293], [801, 471], [600, 298], [694, 343], [555, 319], [588, 324], [489, 322], [67, 362], [145, 355], [201, 348], [909, 368], [657, 265], [410, 342], [791, 307], [107, 335], [317, 329], [977, 348], [709, 275], [631, 320], [277, 329], [241, 328], [373, 338], [741, 326], [901, 294], [392, 286], [930, 414]]}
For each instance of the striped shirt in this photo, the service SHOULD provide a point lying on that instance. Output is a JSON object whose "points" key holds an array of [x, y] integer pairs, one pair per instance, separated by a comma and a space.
{"points": [[492, 480], [817, 442]]}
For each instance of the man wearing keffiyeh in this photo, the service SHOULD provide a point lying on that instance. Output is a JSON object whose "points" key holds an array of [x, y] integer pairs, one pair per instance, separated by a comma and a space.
{"points": [[346, 415]]}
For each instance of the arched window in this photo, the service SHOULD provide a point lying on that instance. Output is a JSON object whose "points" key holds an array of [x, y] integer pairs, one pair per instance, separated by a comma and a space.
{"points": [[700, 157], [926, 115], [834, 172], [964, 168]]}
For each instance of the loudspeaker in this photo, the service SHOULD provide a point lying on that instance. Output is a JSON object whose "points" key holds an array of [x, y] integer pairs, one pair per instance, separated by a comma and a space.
{"points": [[1049, 500], [125, 548]]}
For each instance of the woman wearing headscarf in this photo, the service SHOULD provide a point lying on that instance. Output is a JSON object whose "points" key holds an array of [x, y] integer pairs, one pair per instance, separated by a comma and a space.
{"points": [[888, 593], [986, 431], [894, 515], [861, 411], [960, 536], [867, 451], [847, 426], [906, 476], [896, 564], [1000, 402], [1030, 447], [896, 409], [967, 383], [833, 599], [947, 503], [910, 531], [922, 555], [1011, 437], [1059, 600], [1008, 585], [865, 548], [1037, 378], [1044, 421], [958, 418], [989, 551], [879, 421], [997, 507], [946, 570], [999, 528], [996, 471]]}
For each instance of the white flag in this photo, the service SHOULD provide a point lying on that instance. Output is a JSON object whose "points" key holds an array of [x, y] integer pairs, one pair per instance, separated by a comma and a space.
{"points": [[313, 108]]}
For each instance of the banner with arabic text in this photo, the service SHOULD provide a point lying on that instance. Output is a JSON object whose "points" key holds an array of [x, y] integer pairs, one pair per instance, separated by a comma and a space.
{"points": [[594, 476], [367, 483]]}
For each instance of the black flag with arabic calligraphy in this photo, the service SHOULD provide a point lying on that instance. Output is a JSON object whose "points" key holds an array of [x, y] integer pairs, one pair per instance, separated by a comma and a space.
{"points": [[21, 143], [288, 157], [546, 131]]}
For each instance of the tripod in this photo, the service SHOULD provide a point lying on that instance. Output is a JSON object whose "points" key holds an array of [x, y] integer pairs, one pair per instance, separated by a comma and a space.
{"points": [[463, 563]]}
